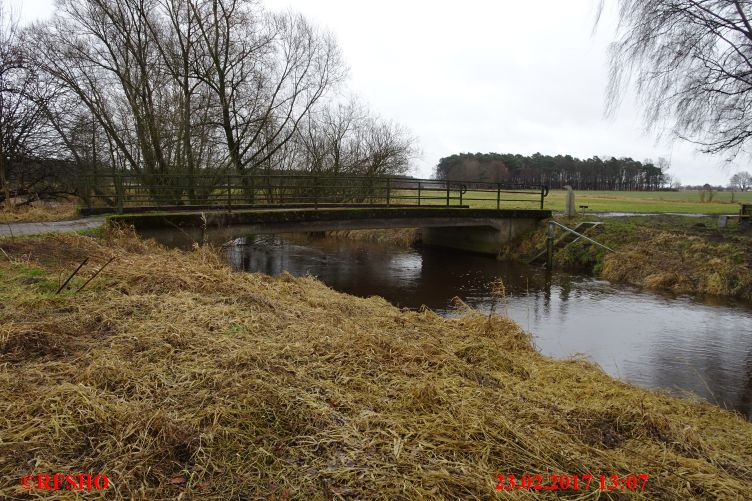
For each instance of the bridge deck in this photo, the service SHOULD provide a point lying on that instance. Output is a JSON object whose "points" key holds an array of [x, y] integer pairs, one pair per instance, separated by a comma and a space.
{"points": [[304, 220]]}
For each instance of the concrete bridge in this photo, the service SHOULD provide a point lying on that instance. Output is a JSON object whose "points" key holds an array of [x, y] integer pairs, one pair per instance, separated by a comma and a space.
{"points": [[475, 230]]}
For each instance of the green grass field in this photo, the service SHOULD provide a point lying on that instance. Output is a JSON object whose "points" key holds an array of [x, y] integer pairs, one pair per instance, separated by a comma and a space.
{"points": [[625, 201]]}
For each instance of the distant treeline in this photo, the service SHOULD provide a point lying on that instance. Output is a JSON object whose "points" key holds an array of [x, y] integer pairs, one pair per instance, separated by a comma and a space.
{"points": [[555, 171]]}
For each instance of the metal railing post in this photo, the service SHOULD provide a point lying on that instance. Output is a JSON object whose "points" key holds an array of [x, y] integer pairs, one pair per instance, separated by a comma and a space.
{"points": [[118, 192], [550, 245], [90, 180], [229, 193], [253, 189], [153, 189]]}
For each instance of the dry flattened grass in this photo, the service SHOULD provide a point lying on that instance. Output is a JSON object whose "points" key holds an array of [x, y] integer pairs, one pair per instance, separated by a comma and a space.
{"points": [[683, 263], [173, 375], [40, 212]]}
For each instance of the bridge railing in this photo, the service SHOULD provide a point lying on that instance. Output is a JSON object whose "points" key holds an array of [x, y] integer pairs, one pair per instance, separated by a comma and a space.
{"points": [[155, 191]]}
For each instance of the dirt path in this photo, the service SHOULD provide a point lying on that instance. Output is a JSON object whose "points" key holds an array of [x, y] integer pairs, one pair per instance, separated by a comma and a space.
{"points": [[18, 229]]}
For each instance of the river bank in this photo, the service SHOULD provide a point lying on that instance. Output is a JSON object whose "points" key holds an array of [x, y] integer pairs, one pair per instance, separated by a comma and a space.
{"points": [[174, 375], [683, 255]]}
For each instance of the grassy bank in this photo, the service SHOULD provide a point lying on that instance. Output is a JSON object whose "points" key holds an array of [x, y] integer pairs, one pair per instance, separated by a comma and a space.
{"points": [[175, 376], [686, 255]]}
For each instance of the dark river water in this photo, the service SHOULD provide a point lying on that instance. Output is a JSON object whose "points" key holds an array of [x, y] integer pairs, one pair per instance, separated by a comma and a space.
{"points": [[682, 344]]}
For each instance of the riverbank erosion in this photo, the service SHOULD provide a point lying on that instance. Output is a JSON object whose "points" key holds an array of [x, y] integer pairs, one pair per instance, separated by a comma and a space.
{"points": [[172, 375]]}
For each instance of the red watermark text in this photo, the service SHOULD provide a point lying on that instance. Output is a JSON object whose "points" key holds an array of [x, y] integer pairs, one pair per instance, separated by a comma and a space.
{"points": [[60, 482]]}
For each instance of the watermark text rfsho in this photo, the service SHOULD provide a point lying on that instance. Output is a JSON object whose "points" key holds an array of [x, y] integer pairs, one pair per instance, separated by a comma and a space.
{"points": [[61, 482]]}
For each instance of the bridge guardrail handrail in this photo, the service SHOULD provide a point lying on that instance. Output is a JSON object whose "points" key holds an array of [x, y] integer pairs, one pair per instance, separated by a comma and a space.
{"points": [[154, 190]]}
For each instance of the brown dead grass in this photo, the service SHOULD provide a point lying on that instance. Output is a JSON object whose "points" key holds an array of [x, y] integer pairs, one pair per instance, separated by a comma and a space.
{"points": [[683, 263], [400, 237], [40, 212], [177, 377]]}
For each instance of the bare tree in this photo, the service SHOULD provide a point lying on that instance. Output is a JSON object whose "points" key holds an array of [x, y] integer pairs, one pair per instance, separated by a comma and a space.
{"points": [[386, 148], [267, 73], [131, 64], [326, 138], [167, 89], [691, 61], [24, 130], [103, 53], [741, 181], [176, 32], [11, 62], [345, 138]]}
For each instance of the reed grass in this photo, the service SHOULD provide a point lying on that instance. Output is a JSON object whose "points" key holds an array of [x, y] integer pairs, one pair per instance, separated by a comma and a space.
{"points": [[181, 379]]}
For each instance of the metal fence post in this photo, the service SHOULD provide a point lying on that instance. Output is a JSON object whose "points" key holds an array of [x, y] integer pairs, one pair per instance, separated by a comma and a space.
{"points": [[118, 192], [253, 189], [90, 180], [550, 245], [229, 193], [316, 192]]}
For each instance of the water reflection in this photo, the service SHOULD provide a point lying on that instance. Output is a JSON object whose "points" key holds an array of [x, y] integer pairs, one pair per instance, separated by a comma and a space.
{"points": [[682, 344]]}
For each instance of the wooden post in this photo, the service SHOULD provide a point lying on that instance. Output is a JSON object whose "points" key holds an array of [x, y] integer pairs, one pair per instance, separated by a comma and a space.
{"points": [[498, 196], [418, 192], [447, 189], [388, 190]]}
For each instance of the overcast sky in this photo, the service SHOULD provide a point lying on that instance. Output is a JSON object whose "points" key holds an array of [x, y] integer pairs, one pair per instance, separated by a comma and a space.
{"points": [[483, 76]]}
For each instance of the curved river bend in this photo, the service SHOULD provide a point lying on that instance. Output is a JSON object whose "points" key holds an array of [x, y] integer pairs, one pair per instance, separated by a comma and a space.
{"points": [[678, 343]]}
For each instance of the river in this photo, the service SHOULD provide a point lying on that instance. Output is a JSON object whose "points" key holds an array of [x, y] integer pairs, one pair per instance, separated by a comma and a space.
{"points": [[682, 344]]}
